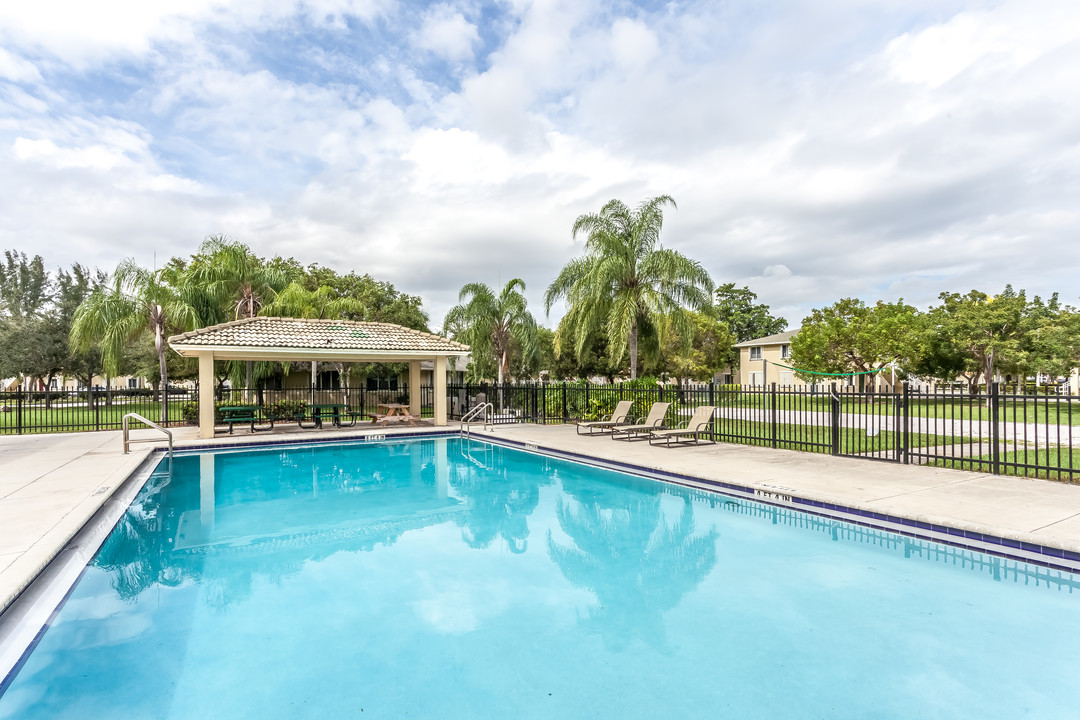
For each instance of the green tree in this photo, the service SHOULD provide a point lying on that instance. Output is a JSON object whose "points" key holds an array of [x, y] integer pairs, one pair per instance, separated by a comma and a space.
{"points": [[322, 303], [626, 280], [136, 301], [496, 328], [849, 336], [704, 355], [989, 332], [746, 318], [381, 300], [25, 287], [236, 279]]}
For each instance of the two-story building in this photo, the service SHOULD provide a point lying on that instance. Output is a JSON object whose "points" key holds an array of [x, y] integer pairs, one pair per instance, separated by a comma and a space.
{"points": [[762, 362]]}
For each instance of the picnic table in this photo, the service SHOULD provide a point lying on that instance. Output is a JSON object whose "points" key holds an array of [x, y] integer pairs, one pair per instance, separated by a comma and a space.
{"points": [[233, 414], [333, 411], [395, 412]]}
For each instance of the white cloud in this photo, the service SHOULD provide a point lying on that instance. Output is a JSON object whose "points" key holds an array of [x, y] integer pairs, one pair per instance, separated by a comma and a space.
{"points": [[815, 150], [446, 33], [991, 41], [633, 44], [16, 68]]}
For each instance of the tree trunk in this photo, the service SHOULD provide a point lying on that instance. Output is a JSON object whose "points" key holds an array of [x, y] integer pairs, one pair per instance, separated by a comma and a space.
{"points": [[502, 375], [159, 343], [633, 350]]}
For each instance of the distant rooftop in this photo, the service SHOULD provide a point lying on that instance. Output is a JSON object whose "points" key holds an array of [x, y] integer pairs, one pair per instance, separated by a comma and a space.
{"points": [[778, 339]]}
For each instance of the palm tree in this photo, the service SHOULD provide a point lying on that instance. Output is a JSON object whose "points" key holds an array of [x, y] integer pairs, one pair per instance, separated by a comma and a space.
{"points": [[236, 278], [494, 327], [626, 282], [137, 300], [324, 302]]}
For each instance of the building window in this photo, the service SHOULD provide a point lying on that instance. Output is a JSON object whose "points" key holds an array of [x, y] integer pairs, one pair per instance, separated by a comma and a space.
{"points": [[755, 353], [785, 351]]}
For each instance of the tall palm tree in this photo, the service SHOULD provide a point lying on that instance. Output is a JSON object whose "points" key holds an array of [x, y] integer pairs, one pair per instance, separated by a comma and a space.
{"points": [[135, 301], [626, 281], [324, 302], [237, 279], [495, 326]]}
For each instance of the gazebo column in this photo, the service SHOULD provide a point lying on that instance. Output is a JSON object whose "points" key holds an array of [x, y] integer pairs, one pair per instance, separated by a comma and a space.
{"points": [[414, 388], [438, 383], [206, 395]]}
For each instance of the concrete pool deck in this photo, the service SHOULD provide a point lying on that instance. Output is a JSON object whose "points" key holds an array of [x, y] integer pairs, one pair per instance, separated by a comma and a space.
{"points": [[51, 485]]}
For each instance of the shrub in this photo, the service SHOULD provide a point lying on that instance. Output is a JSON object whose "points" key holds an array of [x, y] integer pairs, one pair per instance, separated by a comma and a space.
{"points": [[285, 409], [189, 411]]}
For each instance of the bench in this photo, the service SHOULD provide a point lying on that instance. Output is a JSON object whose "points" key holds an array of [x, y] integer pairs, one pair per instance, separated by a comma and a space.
{"points": [[243, 414], [379, 418]]}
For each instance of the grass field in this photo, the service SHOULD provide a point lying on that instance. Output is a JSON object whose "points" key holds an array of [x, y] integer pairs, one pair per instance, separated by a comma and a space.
{"points": [[74, 418], [1047, 463]]}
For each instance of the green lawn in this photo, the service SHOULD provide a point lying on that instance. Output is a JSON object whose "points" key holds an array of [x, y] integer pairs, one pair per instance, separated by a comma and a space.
{"points": [[1040, 411], [852, 440], [67, 418], [1050, 463]]}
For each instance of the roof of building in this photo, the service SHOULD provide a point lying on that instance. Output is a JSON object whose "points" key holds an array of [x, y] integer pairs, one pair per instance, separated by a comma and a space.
{"points": [[778, 339], [325, 337]]}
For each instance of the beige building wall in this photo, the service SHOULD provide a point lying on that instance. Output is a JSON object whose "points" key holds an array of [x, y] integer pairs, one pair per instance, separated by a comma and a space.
{"points": [[763, 370]]}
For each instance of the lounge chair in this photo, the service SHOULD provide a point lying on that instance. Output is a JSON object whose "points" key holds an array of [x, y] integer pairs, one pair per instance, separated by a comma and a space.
{"points": [[619, 417], [698, 424], [655, 421]]}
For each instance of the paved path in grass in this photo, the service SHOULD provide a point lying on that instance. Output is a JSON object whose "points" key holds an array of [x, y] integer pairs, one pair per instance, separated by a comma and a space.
{"points": [[1042, 434]]}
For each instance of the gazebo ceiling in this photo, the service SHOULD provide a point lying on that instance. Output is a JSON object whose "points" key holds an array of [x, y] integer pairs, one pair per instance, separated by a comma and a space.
{"points": [[274, 338]]}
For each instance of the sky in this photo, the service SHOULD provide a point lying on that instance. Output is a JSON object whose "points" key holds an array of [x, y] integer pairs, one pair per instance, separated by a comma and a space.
{"points": [[816, 149]]}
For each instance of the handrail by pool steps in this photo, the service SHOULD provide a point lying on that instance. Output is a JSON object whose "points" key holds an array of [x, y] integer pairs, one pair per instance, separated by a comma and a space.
{"points": [[125, 423], [488, 411]]}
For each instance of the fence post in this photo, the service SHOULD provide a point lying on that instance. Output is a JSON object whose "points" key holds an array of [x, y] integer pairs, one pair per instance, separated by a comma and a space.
{"points": [[834, 406], [773, 415], [97, 406], [564, 401], [995, 430], [905, 434], [18, 411], [585, 414]]}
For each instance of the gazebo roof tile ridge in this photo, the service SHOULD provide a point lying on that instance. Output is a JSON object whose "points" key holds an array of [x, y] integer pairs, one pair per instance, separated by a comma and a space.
{"points": [[314, 321]]}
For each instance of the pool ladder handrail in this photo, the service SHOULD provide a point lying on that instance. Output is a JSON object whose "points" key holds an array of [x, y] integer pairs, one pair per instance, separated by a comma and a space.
{"points": [[125, 423], [488, 411]]}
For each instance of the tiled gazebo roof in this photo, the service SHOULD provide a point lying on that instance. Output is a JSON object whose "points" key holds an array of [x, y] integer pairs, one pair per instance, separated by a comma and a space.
{"points": [[342, 339]]}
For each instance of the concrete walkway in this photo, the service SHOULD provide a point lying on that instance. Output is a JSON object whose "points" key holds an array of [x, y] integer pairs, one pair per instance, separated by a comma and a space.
{"points": [[51, 485]]}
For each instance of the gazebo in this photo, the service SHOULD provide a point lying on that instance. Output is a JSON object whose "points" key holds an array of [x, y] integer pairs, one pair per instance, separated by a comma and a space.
{"points": [[300, 339]]}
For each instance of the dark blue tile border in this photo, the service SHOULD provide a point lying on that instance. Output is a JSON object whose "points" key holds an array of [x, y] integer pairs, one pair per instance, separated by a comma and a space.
{"points": [[941, 533], [177, 449]]}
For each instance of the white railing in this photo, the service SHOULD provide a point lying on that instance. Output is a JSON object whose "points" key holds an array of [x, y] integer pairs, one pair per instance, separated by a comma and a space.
{"points": [[485, 409], [125, 423]]}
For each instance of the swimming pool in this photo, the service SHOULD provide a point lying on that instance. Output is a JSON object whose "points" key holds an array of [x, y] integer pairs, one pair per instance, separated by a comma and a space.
{"points": [[453, 578]]}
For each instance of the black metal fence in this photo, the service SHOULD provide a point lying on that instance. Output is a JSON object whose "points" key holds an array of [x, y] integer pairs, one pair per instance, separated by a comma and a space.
{"points": [[996, 432]]}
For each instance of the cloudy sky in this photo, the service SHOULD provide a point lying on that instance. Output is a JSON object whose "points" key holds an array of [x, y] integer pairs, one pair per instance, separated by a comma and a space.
{"points": [[816, 148]]}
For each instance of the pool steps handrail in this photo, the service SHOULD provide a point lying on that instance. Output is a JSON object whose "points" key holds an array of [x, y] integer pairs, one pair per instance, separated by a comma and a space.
{"points": [[125, 423], [486, 409]]}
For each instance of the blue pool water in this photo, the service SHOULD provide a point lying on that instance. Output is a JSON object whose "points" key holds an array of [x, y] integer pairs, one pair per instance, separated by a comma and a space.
{"points": [[451, 579]]}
